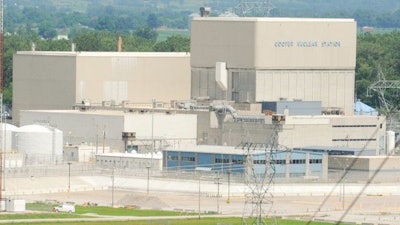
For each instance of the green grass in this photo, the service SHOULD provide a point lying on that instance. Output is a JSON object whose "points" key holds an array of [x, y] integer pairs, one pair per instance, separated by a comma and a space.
{"points": [[21, 216], [163, 34], [203, 221], [108, 211]]}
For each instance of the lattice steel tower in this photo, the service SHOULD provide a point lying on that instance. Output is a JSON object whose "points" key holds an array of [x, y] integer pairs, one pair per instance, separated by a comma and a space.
{"points": [[253, 8], [259, 179], [382, 88]]}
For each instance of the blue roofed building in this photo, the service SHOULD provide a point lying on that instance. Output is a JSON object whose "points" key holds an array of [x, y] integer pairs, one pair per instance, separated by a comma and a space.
{"points": [[361, 108]]}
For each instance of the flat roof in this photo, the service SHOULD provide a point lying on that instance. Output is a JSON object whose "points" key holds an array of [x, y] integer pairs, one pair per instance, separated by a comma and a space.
{"points": [[79, 112], [105, 112], [332, 148], [274, 19], [105, 54], [214, 149], [132, 155]]}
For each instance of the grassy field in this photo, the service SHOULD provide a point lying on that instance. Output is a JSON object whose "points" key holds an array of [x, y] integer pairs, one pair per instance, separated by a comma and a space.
{"points": [[203, 221], [43, 211]]}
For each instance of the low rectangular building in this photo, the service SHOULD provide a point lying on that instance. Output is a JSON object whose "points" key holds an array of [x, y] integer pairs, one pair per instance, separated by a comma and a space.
{"points": [[225, 159], [130, 161]]}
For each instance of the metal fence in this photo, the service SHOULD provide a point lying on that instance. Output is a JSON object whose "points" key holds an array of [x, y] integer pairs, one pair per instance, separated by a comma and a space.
{"points": [[85, 169]]}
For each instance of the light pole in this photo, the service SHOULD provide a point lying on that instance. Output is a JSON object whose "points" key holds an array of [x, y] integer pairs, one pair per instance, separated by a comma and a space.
{"points": [[148, 178], [153, 105], [218, 183], [199, 195], [112, 187], [229, 188], [69, 176]]}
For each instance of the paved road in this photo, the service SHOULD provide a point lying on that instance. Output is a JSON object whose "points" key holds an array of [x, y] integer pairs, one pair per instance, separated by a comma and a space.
{"points": [[375, 203]]}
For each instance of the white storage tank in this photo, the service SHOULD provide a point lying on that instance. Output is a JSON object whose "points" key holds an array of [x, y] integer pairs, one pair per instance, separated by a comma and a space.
{"points": [[7, 132], [41, 144]]}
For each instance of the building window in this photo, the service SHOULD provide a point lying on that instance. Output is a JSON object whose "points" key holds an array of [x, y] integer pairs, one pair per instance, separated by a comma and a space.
{"points": [[315, 161], [173, 157], [188, 159], [237, 161], [337, 126], [219, 160], [355, 139], [298, 161], [279, 161]]}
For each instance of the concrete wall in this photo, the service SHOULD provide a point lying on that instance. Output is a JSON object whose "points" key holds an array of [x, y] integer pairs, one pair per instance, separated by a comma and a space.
{"points": [[272, 43], [98, 128], [59, 80], [272, 58], [335, 89], [362, 132], [137, 77], [43, 81]]}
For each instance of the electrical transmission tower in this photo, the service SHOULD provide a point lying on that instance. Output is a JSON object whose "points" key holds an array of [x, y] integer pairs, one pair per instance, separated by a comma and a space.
{"points": [[381, 87], [248, 8], [259, 176]]}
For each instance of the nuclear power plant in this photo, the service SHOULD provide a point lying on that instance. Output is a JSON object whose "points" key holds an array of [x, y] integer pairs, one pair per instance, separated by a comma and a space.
{"points": [[248, 85]]}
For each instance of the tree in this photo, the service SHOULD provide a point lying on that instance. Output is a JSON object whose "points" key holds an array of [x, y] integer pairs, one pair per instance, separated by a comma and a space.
{"points": [[146, 33], [153, 21], [173, 44], [95, 41], [47, 31]]}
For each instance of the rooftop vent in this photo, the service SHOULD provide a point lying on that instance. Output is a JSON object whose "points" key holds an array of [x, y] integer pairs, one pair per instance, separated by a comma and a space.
{"points": [[205, 11]]}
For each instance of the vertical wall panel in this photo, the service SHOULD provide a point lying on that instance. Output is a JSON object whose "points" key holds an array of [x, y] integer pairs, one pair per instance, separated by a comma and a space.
{"points": [[334, 88], [325, 87]]}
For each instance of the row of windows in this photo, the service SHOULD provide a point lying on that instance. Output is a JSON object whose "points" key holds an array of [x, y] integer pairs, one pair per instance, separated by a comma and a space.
{"points": [[221, 161], [173, 157], [355, 139], [257, 162], [293, 161], [188, 159], [355, 125], [193, 159]]}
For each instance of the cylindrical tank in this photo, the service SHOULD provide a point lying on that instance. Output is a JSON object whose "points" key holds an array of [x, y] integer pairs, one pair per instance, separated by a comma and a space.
{"points": [[7, 132], [390, 141], [41, 144]]}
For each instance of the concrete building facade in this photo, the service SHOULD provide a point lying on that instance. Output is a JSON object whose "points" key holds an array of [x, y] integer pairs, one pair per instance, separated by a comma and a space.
{"points": [[105, 127], [60, 80], [269, 59], [223, 159]]}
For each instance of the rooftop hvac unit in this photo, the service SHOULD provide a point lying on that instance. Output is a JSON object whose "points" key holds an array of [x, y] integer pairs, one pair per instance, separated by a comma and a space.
{"points": [[85, 102], [128, 135], [106, 103], [278, 118], [125, 104]]}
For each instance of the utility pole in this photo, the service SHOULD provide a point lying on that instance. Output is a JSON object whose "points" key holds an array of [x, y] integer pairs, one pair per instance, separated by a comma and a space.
{"points": [[218, 178]]}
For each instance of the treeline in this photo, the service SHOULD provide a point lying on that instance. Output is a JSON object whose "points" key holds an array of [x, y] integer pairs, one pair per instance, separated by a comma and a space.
{"points": [[378, 53], [49, 21], [52, 17]]}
